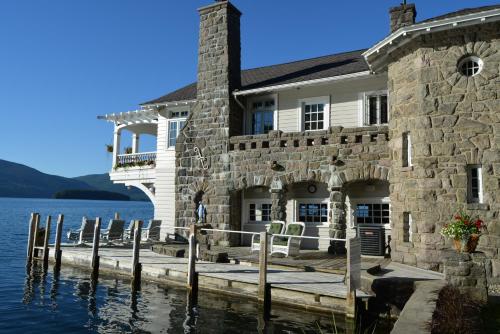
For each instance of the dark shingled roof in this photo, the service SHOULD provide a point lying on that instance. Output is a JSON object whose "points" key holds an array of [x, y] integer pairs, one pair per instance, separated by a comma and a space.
{"points": [[462, 12], [303, 70]]}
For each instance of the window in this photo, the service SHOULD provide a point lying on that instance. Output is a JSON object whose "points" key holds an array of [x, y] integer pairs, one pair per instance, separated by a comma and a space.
{"points": [[407, 222], [262, 116], [259, 212], [175, 125], [315, 114], [470, 66], [474, 184], [406, 154], [372, 213], [313, 212], [376, 111]]}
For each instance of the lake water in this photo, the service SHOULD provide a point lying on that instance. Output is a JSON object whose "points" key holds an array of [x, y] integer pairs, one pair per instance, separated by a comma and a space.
{"points": [[68, 303]]}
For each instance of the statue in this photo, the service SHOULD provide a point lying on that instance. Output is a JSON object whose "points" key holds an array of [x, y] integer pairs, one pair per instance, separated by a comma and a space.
{"points": [[201, 213]]}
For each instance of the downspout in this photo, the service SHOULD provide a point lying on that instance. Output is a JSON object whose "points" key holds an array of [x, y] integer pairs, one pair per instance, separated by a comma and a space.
{"points": [[243, 108]]}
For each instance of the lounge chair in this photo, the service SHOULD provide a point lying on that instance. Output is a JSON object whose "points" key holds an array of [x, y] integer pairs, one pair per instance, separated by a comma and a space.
{"points": [[152, 232], [276, 227], [129, 231], [114, 230], [288, 245], [85, 233]]}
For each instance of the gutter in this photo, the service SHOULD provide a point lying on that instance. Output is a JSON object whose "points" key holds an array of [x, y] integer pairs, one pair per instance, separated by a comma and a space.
{"points": [[302, 83]]}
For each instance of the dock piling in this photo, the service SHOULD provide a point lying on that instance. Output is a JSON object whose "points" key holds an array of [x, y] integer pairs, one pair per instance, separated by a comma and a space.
{"points": [[264, 292], [46, 243], [95, 249], [353, 275], [192, 281], [117, 216], [57, 246], [136, 265], [34, 253], [31, 236]]}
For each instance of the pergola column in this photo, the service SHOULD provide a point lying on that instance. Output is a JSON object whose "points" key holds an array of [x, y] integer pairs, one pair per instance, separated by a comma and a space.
{"points": [[135, 143], [278, 200], [337, 221], [116, 145]]}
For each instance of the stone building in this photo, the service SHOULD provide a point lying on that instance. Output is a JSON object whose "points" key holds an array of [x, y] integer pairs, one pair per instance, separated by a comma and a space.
{"points": [[400, 135]]}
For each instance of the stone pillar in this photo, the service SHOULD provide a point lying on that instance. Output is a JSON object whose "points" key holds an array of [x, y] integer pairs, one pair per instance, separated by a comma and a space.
{"points": [[116, 145], [337, 221], [467, 272], [135, 143], [402, 16], [278, 206]]}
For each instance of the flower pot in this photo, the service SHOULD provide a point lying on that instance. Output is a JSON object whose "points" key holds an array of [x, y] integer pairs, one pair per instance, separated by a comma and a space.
{"points": [[467, 245]]}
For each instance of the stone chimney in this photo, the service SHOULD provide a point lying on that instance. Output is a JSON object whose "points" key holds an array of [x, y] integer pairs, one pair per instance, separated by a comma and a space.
{"points": [[402, 16], [219, 52]]}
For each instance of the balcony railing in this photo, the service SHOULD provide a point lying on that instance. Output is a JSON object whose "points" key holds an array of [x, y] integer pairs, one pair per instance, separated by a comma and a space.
{"points": [[146, 159]]}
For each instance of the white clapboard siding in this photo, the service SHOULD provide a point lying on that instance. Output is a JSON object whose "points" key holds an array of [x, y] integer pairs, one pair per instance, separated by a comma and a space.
{"points": [[344, 99]]}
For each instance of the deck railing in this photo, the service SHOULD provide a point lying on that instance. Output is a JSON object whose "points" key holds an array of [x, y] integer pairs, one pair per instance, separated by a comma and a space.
{"points": [[136, 160]]}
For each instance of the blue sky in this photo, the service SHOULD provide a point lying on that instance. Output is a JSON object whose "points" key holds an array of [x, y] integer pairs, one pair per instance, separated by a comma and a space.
{"points": [[65, 62]]}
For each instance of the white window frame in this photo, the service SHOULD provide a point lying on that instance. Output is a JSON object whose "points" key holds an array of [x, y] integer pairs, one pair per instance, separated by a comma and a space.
{"points": [[257, 202], [172, 120], [319, 200], [363, 100], [247, 120], [377, 200], [470, 198], [314, 100]]}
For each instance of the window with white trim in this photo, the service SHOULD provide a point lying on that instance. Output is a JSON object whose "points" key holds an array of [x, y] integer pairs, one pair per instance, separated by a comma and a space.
{"points": [[470, 66], [313, 212], [315, 114], [407, 226], [259, 212], [376, 109], [406, 154], [175, 125], [372, 213], [474, 184], [263, 116]]}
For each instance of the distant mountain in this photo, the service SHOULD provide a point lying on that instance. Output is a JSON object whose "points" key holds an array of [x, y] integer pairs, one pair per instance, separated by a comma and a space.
{"points": [[18, 180], [102, 182], [91, 194]]}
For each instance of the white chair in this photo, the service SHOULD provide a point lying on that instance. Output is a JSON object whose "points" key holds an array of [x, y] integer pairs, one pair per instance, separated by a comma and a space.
{"points": [[85, 233], [152, 232], [276, 227], [114, 230], [288, 245], [129, 231]]}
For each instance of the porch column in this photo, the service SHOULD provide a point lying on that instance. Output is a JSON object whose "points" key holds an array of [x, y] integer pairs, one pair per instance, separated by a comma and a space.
{"points": [[337, 221], [278, 200], [135, 143], [116, 145]]}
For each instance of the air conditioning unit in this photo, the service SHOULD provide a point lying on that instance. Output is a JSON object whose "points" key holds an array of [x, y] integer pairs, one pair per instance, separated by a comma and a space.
{"points": [[372, 239]]}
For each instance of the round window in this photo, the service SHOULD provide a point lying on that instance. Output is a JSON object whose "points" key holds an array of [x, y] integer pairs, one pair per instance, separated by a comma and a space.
{"points": [[470, 66]]}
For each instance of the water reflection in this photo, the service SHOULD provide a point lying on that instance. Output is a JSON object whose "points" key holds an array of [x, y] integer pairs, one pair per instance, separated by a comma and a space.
{"points": [[111, 306]]}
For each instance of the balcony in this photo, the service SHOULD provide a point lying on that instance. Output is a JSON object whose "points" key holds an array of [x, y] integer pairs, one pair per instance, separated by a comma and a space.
{"points": [[136, 160]]}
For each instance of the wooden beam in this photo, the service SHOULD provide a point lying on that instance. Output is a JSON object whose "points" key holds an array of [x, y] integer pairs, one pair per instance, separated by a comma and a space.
{"points": [[46, 243], [264, 292], [136, 265], [57, 246], [95, 249], [34, 253], [31, 236]]}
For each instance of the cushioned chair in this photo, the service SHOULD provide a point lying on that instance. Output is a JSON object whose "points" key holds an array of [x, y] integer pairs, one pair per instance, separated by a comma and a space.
{"points": [[288, 245], [85, 233], [152, 232], [129, 231], [276, 227], [114, 231]]}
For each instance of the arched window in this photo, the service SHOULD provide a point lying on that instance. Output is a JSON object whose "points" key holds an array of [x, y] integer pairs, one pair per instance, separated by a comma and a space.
{"points": [[470, 66]]}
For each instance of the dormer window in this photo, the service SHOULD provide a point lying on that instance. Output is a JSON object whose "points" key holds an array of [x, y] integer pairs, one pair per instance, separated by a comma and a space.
{"points": [[470, 66]]}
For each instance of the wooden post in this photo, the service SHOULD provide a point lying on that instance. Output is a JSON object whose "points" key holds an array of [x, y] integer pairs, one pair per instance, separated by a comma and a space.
{"points": [[57, 246], [136, 265], [191, 256], [353, 274], [31, 236], [117, 216], [34, 253], [46, 243], [264, 294], [95, 249]]}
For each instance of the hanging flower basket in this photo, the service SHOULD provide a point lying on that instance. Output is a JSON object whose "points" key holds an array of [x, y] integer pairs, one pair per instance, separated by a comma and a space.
{"points": [[465, 231]]}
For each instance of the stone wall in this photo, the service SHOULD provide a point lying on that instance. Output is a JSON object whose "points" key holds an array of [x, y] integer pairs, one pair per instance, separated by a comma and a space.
{"points": [[453, 121]]}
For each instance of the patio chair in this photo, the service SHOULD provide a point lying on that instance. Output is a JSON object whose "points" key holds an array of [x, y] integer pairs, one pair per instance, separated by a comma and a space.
{"points": [[288, 245], [114, 230], [84, 234], [129, 231], [152, 231], [276, 227]]}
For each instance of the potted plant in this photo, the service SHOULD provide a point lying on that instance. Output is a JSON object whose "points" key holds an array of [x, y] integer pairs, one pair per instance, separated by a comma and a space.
{"points": [[109, 148], [128, 150], [464, 230]]}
